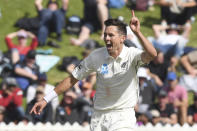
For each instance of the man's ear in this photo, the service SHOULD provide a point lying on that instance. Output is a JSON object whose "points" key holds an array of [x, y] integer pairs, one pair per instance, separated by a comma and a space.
{"points": [[123, 38]]}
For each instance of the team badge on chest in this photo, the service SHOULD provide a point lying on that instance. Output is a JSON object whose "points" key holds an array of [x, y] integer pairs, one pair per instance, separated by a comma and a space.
{"points": [[104, 69]]}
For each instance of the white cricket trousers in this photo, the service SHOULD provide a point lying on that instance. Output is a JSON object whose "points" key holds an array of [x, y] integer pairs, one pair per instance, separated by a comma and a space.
{"points": [[113, 120]]}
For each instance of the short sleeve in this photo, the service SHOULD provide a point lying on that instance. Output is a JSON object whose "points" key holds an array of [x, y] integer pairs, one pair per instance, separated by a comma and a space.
{"points": [[136, 53], [84, 68]]}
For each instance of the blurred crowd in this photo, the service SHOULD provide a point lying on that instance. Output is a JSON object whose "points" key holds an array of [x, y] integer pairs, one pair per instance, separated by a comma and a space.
{"points": [[165, 84]]}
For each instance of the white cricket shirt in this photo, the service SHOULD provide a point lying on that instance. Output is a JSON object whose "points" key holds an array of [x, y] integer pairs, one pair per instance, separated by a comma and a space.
{"points": [[117, 81]]}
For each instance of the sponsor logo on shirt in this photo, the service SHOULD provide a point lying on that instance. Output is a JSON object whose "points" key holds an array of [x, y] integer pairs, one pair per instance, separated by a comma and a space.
{"points": [[124, 64], [104, 69], [79, 66]]}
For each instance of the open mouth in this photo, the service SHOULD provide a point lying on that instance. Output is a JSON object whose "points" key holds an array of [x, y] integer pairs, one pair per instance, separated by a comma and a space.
{"points": [[109, 46]]}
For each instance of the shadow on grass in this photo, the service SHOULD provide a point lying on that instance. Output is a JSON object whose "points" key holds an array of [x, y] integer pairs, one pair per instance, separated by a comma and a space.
{"points": [[149, 21]]}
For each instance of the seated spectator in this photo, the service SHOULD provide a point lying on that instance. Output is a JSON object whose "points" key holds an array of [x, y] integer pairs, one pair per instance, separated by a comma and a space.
{"points": [[146, 97], [177, 96], [11, 98], [158, 69], [102, 10], [172, 37], [2, 115], [173, 43], [19, 51], [26, 72], [174, 11], [147, 90], [42, 81], [52, 19], [143, 117], [94, 16], [71, 110], [192, 112], [166, 111], [188, 4], [46, 115], [189, 62]]}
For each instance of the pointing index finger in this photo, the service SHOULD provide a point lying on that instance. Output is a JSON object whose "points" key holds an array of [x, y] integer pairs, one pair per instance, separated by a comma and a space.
{"points": [[133, 13]]}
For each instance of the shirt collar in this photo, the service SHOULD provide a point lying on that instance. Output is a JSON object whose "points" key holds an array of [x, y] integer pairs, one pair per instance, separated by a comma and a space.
{"points": [[123, 53]]}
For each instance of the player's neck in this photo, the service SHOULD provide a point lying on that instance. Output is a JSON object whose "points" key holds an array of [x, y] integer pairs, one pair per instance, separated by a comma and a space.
{"points": [[116, 53]]}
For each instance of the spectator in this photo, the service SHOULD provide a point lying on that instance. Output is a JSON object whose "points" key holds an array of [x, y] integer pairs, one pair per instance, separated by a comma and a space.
{"points": [[102, 10], [18, 52], [46, 115], [155, 116], [42, 81], [177, 96], [146, 97], [11, 98], [52, 19], [71, 110], [172, 37], [166, 111], [94, 16], [88, 94], [143, 117], [192, 112], [189, 62], [190, 3], [26, 72], [147, 91], [171, 44], [158, 69], [173, 11], [2, 110]]}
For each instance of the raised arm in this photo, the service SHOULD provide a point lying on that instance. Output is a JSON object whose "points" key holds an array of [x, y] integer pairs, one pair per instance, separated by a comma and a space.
{"points": [[60, 88], [38, 4], [150, 52], [12, 35], [30, 35], [157, 30], [186, 30], [65, 4]]}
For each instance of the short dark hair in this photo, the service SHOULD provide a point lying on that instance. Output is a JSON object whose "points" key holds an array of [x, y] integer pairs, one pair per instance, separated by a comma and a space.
{"points": [[31, 54], [120, 25]]}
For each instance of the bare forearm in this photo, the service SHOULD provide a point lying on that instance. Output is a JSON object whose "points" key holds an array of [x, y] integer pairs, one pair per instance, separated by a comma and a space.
{"points": [[31, 35], [65, 4], [158, 81], [65, 84], [24, 73], [12, 35], [189, 4], [38, 4], [186, 64]]}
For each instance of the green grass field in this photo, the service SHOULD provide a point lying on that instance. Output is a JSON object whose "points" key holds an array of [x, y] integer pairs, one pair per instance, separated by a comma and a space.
{"points": [[12, 10]]}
